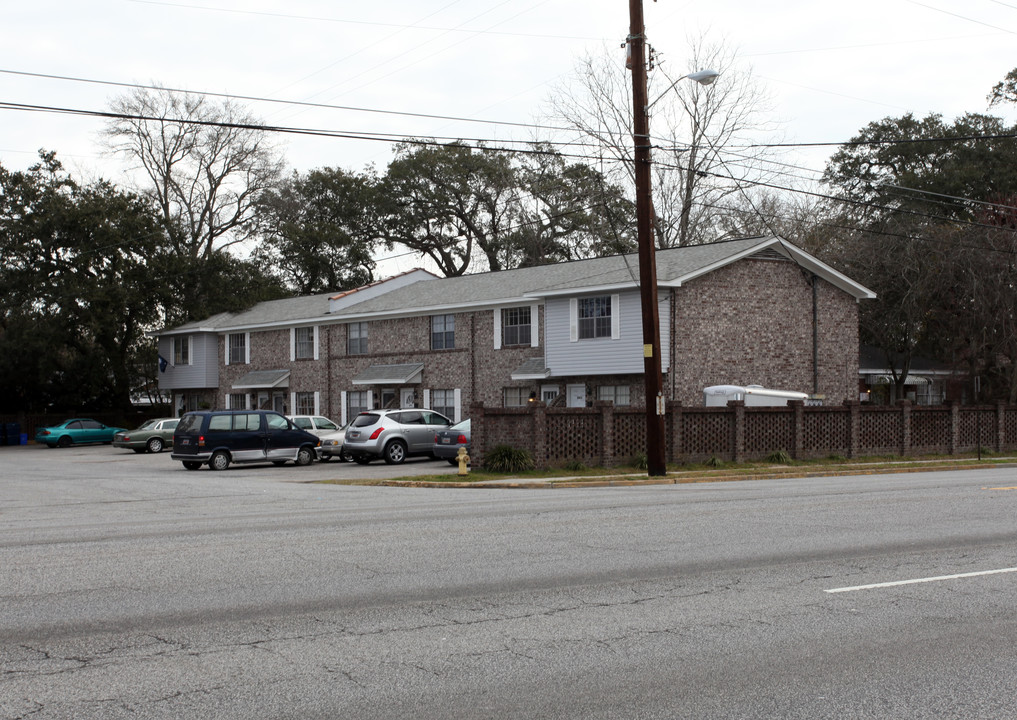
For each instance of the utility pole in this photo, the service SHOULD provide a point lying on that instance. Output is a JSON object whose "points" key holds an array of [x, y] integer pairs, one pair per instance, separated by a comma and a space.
{"points": [[655, 459]]}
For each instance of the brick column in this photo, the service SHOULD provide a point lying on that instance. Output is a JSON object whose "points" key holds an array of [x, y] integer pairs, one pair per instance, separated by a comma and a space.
{"points": [[607, 445], [539, 434], [854, 427], [954, 427], [674, 410], [739, 429], [797, 428], [478, 436], [1000, 426], [905, 419]]}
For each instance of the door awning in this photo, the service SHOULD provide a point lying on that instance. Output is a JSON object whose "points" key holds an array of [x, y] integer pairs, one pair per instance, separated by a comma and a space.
{"points": [[407, 374], [532, 369], [263, 379], [888, 380]]}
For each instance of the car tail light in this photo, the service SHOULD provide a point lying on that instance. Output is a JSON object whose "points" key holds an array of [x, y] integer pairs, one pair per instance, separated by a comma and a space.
{"points": [[125, 438], [437, 439], [376, 433], [201, 441], [44, 432], [461, 439]]}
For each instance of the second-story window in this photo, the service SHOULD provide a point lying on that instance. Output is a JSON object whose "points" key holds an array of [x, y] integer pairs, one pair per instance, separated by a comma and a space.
{"points": [[595, 317], [238, 348], [303, 343], [515, 326], [181, 350], [443, 332], [356, 343]]}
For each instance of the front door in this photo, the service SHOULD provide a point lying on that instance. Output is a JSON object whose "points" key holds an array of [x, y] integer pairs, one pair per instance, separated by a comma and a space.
{"points": [[577, 395], [407, 398], [387, 396]]}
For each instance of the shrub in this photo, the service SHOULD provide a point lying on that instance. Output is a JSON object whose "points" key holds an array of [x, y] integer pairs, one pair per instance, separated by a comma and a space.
{"points": [[507, 459], [574, 466], [639, 461], [779, 457], [715, 462]]}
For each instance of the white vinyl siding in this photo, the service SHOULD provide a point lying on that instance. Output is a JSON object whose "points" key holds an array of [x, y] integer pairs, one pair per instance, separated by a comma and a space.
{"points": [[566, 355]]}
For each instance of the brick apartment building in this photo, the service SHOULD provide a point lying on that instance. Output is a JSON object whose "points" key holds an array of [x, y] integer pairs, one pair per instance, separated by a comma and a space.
{"points": [[750, 311]]}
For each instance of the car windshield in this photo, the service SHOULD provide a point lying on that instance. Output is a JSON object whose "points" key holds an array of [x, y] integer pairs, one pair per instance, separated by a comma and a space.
{"points": [[189, 423], [464, 425], [365, 419]]}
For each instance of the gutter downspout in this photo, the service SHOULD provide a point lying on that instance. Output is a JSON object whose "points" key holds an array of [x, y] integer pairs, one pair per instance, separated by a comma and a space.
{"points": [[815, 335]]}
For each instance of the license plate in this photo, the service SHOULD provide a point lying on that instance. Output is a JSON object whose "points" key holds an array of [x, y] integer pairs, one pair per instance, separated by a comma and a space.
{"points": [[185, 441], [446, 441]]}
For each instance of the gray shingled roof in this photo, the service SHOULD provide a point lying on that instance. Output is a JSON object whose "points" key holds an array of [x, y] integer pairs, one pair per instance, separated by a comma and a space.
{"points": [[674, 266]]}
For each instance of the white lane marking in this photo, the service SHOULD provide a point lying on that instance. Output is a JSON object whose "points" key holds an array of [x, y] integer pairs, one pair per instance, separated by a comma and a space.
{"points": [[921, 580]]}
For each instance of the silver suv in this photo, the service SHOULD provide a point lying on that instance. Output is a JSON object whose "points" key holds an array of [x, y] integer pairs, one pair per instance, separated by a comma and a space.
{"points": [[393, 434]]}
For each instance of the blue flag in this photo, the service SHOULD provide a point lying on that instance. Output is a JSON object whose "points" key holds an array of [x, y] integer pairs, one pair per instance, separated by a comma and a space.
{"points": [[163, 362]]}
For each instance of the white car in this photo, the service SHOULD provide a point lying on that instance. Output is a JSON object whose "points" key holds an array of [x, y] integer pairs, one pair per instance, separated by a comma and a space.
{"points": [[332, 436]]}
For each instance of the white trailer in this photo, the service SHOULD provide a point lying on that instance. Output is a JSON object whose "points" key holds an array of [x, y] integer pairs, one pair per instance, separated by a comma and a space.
{"points": [[753, 395]]}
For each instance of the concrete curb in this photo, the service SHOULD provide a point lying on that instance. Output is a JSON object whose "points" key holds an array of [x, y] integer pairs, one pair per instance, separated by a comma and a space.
{"points": [[678, 479]]}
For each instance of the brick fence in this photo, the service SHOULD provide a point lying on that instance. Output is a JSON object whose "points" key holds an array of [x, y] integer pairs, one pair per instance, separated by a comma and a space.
{"points": [[605, 435]]}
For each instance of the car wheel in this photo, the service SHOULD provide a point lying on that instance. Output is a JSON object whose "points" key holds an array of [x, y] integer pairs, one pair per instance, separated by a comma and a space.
{"points": [[155, 445], [64, 441], [345, 457], [191, 465], [452, 461], [220, 460], [305, 456], [395, 452], [362, 459]]}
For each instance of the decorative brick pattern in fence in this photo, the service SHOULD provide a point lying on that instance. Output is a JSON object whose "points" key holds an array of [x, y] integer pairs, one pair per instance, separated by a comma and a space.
{"points": [[607, 435]]}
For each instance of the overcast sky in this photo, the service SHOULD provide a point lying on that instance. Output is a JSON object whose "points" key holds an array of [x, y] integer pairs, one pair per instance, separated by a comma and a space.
{"points": [[830, 67]]}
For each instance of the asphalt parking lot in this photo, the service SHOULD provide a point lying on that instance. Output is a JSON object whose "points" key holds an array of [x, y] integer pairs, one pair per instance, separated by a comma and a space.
{"points": [[85, 460]]}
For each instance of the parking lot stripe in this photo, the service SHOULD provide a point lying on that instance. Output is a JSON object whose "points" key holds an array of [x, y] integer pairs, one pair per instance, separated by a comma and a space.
{"points": [[921, 580]]}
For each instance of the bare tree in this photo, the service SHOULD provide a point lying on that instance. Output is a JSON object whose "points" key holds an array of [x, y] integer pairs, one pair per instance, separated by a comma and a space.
{"points": [[691, 125], [207, 164]]}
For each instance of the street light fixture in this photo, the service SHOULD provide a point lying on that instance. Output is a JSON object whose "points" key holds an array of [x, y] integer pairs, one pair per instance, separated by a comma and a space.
{"points": [[656, 462]]}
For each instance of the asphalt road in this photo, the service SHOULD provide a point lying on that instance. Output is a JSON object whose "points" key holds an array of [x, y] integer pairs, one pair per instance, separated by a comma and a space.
{"points": [[132, 588]]}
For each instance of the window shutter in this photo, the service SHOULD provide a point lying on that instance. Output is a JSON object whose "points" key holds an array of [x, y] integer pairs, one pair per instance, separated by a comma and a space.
{"points": [[226, 337], [427, 399], [457, 394], [497, 328], [293, 344], [573, 320], [534, 325], [190, 349], [317, 402], [316, 353], [247, 348], [615, 317], [342, 407], [227, 403], [293, 403]]}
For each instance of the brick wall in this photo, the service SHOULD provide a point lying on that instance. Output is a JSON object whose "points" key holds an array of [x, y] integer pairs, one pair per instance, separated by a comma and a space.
{"points": [[750, 323]]}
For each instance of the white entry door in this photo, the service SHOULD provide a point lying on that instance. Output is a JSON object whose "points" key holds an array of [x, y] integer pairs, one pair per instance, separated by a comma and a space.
{"points": [[407, 398], [577, 395]]}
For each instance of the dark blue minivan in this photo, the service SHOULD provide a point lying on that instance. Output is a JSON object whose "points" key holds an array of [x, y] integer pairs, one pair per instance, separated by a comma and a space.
{"points": [[220, 437]]}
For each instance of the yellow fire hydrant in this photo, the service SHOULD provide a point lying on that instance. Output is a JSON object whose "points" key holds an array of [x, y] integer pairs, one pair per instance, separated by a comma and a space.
{"points": [[464, 461]]}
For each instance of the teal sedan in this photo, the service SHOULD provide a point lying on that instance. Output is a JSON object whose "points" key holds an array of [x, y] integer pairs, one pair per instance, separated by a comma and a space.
{"points": [[76, 431]]}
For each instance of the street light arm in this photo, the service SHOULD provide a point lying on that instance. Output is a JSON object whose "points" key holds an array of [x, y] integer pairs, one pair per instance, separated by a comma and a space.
{"points": [[703, 77]]}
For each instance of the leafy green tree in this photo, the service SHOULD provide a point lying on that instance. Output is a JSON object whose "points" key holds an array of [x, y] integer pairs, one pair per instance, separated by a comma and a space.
{"points": [[319, 230], [76, 269]]}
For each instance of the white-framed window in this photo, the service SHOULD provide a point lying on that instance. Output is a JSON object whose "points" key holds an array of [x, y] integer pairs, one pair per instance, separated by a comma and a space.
{"points": [[594, 317], [443, 332], [359, 402], [618, 394], [237, 401], [304, 343], [356, 342], [515, 396], [516, 326], [182, 350], [304, 403], [238, 349], [444, 401], [549, 392]]}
